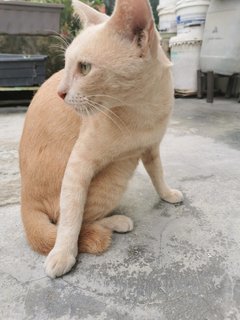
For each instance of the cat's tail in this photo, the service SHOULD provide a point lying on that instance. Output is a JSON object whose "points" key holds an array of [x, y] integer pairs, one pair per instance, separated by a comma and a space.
{"points": [[41, 234]]}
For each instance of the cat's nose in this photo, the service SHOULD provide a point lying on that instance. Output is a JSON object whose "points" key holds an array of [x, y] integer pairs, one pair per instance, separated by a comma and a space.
{"points": [[62, 94]]}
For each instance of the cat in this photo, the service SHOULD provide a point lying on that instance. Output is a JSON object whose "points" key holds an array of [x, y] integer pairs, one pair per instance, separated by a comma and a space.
{"points": [[86, 130]]}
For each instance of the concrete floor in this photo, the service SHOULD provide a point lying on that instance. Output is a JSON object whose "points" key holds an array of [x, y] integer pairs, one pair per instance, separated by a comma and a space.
{"points": [[179, 263]]}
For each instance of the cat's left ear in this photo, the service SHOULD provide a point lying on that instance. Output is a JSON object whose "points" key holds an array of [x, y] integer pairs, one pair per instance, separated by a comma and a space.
{"points": [[133, 19], [88, 16]]}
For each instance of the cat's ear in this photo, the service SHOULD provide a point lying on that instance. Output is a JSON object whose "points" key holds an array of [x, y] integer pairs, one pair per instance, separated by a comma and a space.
{"points": [[88, 16], [134, 20]]}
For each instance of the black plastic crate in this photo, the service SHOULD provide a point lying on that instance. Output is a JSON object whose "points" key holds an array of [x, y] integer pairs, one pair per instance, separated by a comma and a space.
{"points": [[17, 70]]}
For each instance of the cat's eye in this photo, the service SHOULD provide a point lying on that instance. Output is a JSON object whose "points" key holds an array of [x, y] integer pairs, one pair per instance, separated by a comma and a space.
{"points": [[84, 68]]}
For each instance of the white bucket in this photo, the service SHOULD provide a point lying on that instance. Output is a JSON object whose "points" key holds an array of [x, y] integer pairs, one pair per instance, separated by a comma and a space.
{"points": [[191, 13], [185, 56], [221, 42], [167, 20]]}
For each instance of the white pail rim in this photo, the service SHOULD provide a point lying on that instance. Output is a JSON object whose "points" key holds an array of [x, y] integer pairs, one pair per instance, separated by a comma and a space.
{"points": [[184, 39], [184, 4], [167, 10]]}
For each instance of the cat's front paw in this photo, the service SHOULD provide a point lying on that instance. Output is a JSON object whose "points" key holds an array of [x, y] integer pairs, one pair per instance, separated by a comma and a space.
{"points": [[173, 196], [58, 263]]}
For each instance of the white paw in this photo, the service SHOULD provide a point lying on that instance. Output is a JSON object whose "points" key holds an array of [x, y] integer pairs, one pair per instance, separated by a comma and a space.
{"points": [[173, 196], [59, 262], [123, 224]]}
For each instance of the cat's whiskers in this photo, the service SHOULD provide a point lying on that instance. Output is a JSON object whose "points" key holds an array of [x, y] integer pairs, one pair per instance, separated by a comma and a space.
{"points": [[59, 47], [61, 39], [107, 96], [94, 106], [121, 101], [61, 51], [112, 113], [81, 105], [83, 110], [87, 112], [62, 44]]}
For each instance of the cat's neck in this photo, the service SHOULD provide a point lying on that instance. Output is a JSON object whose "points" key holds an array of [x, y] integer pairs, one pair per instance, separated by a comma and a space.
{"points": [[154, 104]]}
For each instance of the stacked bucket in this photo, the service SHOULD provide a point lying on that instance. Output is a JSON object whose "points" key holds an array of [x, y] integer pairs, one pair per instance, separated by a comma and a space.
{"points": [[167, 22], [185, 45]]}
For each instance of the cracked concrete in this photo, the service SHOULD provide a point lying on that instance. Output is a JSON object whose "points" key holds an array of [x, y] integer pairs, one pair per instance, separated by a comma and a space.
{"points": [[179, 263]]}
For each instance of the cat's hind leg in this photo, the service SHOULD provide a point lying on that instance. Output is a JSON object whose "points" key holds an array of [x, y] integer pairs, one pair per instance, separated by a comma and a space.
{"points": [[117, 223], [107, 188], [95, 238], [104, 195]]}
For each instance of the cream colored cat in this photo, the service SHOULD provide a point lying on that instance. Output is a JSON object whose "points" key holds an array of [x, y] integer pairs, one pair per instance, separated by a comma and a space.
{"points": [[75, 164]]}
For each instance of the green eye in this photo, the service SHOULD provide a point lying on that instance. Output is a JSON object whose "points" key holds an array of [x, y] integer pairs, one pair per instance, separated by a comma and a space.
{"points": [[84, 68]]}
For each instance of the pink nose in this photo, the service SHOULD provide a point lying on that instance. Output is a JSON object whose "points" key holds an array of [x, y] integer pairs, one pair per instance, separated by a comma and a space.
{"points": [[62, 94]]}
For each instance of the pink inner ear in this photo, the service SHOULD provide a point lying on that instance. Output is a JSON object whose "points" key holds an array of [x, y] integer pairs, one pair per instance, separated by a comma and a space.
{"points": [[131, 17], [141, 14]]}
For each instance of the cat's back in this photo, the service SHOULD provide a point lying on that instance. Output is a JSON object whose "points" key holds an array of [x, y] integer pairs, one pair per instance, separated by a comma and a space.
{"points": [[50, 131]]}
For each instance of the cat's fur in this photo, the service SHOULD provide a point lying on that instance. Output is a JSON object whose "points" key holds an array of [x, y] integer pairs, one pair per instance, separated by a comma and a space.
{"points": [[72, 181]]}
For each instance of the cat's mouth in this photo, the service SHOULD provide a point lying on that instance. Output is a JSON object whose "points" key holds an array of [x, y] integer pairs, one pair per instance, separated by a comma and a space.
{"points": [[83, 105]]}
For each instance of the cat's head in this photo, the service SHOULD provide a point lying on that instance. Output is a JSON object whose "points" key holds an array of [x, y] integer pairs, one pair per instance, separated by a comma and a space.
{"points": [[113, 60]]}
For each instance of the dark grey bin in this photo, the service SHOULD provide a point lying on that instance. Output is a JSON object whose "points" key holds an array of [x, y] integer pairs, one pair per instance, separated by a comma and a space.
{"points": [[17, 70], [22, 17]]}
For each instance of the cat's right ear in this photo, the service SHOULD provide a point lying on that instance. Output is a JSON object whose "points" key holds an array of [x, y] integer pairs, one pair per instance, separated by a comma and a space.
{"points": [[133, 19], [88, 16]]}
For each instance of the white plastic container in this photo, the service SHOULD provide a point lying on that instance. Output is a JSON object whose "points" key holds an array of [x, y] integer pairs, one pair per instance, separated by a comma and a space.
{"points": [[185, 56], [167, 3], [167, 16], [191, 13], [221, 42], [167, 20]]}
